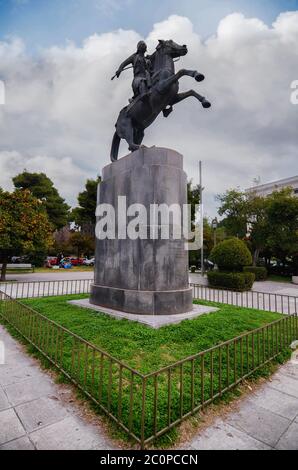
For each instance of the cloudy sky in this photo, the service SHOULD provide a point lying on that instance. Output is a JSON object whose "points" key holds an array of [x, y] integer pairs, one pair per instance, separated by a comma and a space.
{"points": [[57, 57]]}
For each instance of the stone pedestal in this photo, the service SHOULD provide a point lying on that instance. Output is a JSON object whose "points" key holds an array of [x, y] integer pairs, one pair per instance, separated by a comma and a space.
{"points": [[148, 277]]}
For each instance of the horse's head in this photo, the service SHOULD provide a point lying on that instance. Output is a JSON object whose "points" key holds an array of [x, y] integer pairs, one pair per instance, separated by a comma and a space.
{"points": [[172, 48]]}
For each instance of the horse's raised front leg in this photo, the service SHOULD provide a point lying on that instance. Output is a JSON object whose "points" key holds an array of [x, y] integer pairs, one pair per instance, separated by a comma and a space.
{"points": [[163, 85], [182, 96], [199, 77]]}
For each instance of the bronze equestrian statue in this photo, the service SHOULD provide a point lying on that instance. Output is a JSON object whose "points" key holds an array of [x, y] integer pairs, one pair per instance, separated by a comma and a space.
{"points": [[155, 87]]}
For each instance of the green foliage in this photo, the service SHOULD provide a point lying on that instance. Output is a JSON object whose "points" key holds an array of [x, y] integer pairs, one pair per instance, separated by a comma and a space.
{"points": [[81, 244], [84, 214], [24, 226], [260, 273], [43, 189], [195, 255], [37, 258], [233, 206], [231, 255], [272, 221], [283, 221], [234, 281]]}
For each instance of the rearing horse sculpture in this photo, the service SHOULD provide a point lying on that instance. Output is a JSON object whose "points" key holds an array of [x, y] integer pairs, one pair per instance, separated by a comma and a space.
{"points": [[163, 95]]}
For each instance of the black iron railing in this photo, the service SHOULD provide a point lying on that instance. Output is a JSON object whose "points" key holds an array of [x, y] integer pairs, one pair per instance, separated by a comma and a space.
{"points": [[146, 406], [26, 290], [271, 302]]}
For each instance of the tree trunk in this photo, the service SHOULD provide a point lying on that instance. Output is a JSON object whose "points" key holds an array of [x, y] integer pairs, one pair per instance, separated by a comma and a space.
{"points": [[256, 257], [3, 271]]}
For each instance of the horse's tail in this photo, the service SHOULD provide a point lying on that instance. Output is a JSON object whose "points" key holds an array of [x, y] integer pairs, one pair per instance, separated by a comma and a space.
{"points": [[115, 147]]}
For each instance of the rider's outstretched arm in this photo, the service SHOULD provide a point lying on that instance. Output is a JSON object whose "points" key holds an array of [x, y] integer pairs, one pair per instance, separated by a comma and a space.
{"points": [[124, 64]]}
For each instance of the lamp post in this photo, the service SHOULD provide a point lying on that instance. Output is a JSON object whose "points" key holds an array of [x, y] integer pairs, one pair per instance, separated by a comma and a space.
{"points": [[201, 219], [214, 226]]}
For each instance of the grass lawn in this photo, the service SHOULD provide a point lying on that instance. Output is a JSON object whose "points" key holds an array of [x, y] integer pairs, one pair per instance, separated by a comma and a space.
{"points": [[142, 347], [77, 269], [147, 350]]}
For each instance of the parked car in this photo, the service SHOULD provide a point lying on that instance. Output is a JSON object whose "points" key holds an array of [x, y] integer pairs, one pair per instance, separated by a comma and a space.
{"points": [[282, 269], [208, 265], [51, 261], [77, 261], [19, 259], [89, 262]]}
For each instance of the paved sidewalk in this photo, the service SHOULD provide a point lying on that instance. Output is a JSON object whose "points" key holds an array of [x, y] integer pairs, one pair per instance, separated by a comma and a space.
{"points": [[275, 296], [266, 420], [269, 287], [34, 412]]}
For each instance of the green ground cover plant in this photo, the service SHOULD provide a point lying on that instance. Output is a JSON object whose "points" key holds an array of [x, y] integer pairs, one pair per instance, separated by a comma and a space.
{"points": [[142, 347]]}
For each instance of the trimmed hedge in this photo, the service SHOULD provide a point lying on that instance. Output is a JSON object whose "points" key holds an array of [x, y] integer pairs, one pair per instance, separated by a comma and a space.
{"points": [[231, 255], [235, 281], [260, 272]]}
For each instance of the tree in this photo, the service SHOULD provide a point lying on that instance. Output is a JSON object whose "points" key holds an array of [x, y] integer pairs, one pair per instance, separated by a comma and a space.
{"points": [[258, 224], [233, 206], [84, 214], [43, 189], [246, 212], [83, 244], [271, 221], [282, 212], [24, 226]]}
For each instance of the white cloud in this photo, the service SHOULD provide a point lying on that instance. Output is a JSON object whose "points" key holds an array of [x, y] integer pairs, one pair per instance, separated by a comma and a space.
{"points": [[56, 168], [62, 106]]}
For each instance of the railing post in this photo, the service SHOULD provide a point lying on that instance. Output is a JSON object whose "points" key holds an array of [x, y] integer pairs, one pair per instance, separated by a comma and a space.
{"points": [[144, 382]]}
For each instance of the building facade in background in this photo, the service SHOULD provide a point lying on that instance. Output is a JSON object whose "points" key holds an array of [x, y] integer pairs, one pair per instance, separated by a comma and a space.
{"points": [[269, 188]]}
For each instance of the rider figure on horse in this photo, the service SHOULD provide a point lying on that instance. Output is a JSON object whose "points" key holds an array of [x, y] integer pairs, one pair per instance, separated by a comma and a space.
{"points": [[141, 68]]}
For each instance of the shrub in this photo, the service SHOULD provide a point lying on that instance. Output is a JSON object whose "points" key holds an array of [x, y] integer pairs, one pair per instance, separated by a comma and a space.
{"points": [[260, 272], [231, 255], [234, 281], [193, 269]]}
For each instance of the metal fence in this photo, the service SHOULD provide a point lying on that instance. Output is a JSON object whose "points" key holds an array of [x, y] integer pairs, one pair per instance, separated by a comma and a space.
{"points": [[195, 382], [146, 406], [26, 290], [91, 369], [280, 303]]}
